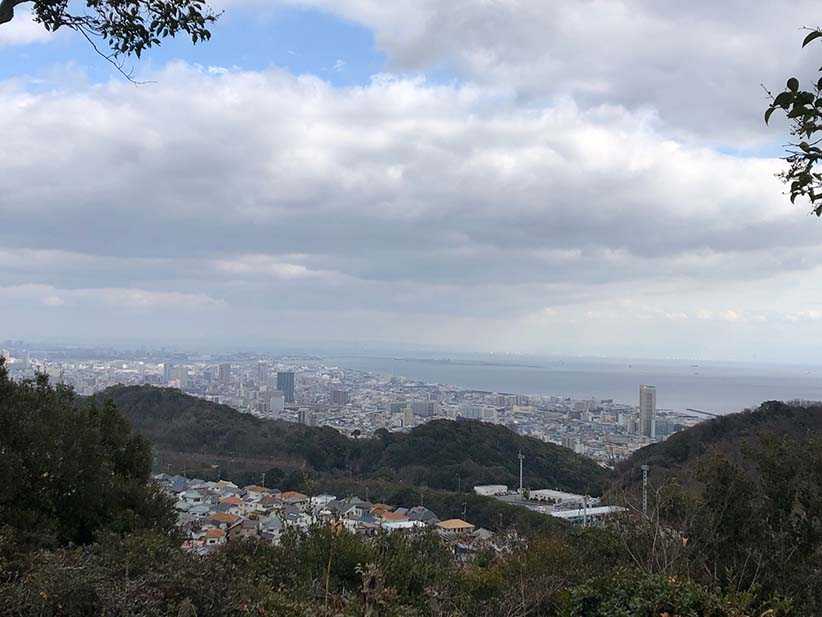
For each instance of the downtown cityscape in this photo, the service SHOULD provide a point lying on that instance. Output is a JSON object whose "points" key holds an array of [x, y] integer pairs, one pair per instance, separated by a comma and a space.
{"points": [[316, 392]]}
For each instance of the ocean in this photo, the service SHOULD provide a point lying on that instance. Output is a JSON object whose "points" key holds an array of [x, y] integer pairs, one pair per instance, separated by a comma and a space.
{"points": [[717, 387]]}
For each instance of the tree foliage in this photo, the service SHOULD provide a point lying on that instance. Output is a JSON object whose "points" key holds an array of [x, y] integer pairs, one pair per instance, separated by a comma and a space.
{"points": [[325, 573], [803, 107], [736, 503], [127, 27], [69, 472]]}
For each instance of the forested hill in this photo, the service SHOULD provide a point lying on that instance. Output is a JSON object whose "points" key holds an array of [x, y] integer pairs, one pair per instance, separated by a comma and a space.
{"points": [[444, 454], [728, 435]]}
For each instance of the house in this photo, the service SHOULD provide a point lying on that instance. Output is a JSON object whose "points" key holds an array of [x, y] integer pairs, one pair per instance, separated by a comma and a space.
{"points": [[380, 508], [214, 537], [192, 497], [223, 520], [350, 507], [422, 514], [483, 535], [297, 518], [244, 528], [200, 511], [320, 501], [454, 527], [254, 492], [235, 504], [271, 528], [406, 525], [264, 505], [292, 497], [393, 517], [172, 484], [362, 523]]}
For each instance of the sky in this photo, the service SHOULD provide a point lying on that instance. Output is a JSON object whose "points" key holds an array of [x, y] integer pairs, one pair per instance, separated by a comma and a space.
{"points": [[578, 177]]}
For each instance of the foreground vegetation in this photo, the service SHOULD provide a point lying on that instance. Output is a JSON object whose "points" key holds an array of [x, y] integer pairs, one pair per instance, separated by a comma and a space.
{"points": [[83, 534]]}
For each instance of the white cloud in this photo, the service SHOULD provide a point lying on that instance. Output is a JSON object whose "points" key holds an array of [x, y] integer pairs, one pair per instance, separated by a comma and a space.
{"points": [[23, 30], [697, 63], [425, 204], [269, 266], [47, 295]]}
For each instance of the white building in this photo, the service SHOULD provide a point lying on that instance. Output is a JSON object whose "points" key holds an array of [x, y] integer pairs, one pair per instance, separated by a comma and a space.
{"points": [[490, 490]]}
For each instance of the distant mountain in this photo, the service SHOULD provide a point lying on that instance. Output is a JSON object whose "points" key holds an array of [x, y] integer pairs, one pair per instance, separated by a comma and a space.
{"points": [[681, 453], [442, 454]]}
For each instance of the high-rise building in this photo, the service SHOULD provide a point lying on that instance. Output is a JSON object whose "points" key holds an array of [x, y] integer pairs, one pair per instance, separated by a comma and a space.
{"points": [[304, 416], [471, 411], [285, 384], [277, 403], [490, 414], [263, 403], [426, 409], [181, 375], [339, 397], [224, 374], [262, 375], [408, 417], [647, 411], [168, 373]]}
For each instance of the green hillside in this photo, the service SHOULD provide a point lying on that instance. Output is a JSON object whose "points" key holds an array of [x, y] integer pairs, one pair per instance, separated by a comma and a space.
{"points": [[681, 454], [443, 454]]}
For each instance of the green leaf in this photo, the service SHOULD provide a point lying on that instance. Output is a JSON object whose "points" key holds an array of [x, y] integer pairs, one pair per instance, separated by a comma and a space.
{"points": [[783, 99], [793, 84], [768, 113], [813, 35]]}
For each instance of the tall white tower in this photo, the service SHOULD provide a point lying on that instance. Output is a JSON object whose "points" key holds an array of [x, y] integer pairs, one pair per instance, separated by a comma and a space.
{"points": [[647, 411]]}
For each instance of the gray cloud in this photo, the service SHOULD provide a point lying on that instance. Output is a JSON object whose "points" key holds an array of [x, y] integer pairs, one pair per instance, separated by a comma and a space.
{"points": [[238, 200], [698, 65]]}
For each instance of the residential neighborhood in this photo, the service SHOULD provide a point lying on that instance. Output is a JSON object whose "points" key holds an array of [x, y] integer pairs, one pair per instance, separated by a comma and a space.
{"points": [[212, 513]]}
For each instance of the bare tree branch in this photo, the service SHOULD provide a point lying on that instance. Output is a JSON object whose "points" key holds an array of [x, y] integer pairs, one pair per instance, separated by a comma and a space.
{"points": [[7, 9]]}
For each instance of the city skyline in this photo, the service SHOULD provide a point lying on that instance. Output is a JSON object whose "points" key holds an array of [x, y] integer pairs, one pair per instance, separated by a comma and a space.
{"points": [[318, 392]]}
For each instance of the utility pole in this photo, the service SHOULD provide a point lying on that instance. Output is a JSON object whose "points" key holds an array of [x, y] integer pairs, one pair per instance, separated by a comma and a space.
{"points": [[645, 490], [521, 458], [585, 511]]}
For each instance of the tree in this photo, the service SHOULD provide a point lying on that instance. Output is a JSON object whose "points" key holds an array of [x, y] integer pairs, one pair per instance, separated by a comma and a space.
{"points": [[69, 472], [804, 109], [127, 27]]}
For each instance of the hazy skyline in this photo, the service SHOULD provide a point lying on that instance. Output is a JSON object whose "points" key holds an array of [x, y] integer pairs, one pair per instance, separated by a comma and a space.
{"points": [[565, 177]]}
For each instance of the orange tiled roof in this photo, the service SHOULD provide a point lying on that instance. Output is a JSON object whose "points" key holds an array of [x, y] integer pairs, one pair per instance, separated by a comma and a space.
{"points": [[393, 516], [292, 496], [224, 517], [454, 524]]}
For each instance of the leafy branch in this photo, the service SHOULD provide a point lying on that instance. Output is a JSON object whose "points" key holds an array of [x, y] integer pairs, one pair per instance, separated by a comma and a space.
{"points": [[804, 109]]}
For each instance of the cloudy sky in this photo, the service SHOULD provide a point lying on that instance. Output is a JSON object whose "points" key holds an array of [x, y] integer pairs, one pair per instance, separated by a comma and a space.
{"points": [[573, 177]]}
